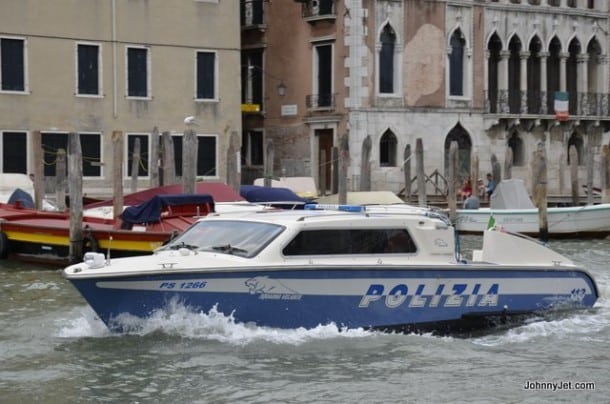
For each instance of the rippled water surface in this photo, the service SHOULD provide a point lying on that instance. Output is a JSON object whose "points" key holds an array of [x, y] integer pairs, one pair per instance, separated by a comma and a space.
{"points": [[54, 350]]}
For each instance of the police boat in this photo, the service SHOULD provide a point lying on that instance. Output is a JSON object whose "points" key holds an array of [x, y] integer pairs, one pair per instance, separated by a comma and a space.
{"points": [[380, 268]]}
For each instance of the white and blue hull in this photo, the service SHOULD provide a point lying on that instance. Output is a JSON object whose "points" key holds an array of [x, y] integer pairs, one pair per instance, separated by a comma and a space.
{"points": [[412, 298], [590, 220]]}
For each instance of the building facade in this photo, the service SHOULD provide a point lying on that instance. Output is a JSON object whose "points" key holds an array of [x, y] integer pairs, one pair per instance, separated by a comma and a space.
{"points": [[495, 76], [102, 67]]}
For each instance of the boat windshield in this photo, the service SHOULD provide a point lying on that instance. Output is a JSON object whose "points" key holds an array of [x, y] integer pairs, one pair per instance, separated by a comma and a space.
{"points": [[235, 237]]}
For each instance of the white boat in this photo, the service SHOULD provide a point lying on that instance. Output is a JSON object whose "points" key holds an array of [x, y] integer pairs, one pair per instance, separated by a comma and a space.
{"points": [[513, 210], [386, 268]]}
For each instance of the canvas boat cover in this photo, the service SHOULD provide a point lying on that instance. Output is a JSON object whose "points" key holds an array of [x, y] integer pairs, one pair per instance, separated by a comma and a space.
{"points": [[150, 211], [510, 194], [220, 191], [279, 197], [24, 199]]}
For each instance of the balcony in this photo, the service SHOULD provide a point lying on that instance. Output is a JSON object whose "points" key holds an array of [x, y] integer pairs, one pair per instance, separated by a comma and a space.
{"points": [[539, 103], [318, 10], [252, 14], [321, 102]]}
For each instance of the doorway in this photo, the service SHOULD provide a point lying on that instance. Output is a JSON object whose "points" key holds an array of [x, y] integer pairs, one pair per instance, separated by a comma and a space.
{"points": [[325, 147]]}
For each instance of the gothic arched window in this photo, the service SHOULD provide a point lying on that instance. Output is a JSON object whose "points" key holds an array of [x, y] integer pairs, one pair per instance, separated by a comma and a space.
{"points": [[387, 149], [516, 144], [456, 64], [386, 60]]}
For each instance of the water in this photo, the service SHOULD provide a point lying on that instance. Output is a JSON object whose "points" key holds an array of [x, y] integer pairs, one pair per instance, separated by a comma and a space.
{"points": [[54, 350]]}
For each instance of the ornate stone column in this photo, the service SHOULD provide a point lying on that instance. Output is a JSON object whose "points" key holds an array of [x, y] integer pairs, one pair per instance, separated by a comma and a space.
{"points": [[487, 106], [563, 57], [582, 85], [543, 82], [523, 57], [503, 82]]}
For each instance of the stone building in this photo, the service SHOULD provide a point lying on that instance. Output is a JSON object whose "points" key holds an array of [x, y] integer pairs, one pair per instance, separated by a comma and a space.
{"points": [[487, 74], [97, 67]]}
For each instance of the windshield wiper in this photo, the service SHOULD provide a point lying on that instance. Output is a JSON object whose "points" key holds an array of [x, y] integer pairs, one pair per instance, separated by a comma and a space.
{"points": [[229, 249], [183, 245]]}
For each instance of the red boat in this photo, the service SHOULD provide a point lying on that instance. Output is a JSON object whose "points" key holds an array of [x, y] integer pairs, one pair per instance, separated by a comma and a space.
{"points": [[151, 218]]}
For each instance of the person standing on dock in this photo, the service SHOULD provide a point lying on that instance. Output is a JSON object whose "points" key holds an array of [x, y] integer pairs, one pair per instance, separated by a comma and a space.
{"points": [[491, 185]]}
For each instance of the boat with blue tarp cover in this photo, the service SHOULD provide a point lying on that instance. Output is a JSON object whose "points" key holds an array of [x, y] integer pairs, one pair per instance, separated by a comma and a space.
{"points": [[42, 236], [382, 268]]}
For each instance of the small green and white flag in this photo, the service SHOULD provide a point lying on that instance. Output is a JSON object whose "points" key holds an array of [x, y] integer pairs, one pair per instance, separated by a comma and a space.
{"points": [[491, 223]]}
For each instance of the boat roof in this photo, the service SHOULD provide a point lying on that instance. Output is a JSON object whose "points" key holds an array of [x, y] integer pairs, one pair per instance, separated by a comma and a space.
{"points": [[317, 214], [364, 198]]}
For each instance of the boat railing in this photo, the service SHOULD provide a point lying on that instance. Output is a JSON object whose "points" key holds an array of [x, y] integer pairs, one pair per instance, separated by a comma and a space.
{"points": [[414, 211]]}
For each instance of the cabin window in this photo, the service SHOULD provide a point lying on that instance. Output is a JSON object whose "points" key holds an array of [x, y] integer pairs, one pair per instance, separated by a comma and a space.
{"points": [[14, 152], [351, 241], [234, 237], [206, 76], [137, 72], [88, 73], [12, 54], [206, 155]]}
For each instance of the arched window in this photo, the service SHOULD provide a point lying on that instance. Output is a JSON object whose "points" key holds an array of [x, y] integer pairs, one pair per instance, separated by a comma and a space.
{"points": [[456, 64], [387, 149], [516, 144], [534, 77], [386, 60], [553, 72], [574, 51], [514, 75], [576, 141], [494, 47], [461, 136], [594, 68]]}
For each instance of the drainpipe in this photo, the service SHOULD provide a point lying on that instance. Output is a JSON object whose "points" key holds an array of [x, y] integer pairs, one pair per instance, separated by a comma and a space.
{"points": [[114, 62]]}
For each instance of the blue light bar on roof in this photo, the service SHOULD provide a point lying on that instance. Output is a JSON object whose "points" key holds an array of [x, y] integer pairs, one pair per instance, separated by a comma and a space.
{"points": [[342, 208]]}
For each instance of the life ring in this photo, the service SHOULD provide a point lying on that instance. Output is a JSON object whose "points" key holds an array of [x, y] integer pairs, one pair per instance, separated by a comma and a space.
{"points": [[90, 244], [4, 244]]}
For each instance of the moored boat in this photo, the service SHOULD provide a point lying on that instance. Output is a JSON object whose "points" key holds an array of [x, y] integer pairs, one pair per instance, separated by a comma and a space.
{"points": [[41, 236], [512, 209], [386, 270]]}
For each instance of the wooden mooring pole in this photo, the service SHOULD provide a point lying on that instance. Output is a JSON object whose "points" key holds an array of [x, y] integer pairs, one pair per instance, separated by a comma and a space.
{"points": [[117, 173], [75, 173], [605, 174], [453, 173], [539, 179], [406, 167], [189, 161], [343, 165], [421, 175], [574, 175]]}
